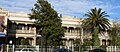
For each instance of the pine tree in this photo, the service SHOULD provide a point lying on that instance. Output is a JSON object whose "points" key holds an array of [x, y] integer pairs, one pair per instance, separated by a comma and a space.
{"points": [[47, 23]]}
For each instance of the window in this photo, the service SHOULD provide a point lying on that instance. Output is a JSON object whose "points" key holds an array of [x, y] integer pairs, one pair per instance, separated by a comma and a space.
{"points": [[77, 30], [108, 42], [72, 30], [103, 42], [32, 28], [19, 27], [68, 29], [28, 27], [65, 28]]}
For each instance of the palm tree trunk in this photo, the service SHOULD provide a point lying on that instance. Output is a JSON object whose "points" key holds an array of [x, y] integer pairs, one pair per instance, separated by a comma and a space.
{"points": [[95, 38]]}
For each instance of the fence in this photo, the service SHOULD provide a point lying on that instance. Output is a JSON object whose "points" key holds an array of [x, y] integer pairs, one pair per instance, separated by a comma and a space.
{"points": [[15, 48], [113, 48], [18, 48]]}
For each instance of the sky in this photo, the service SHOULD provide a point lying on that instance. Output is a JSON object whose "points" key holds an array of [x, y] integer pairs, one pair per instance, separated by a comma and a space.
{"points": [[67, 7]]}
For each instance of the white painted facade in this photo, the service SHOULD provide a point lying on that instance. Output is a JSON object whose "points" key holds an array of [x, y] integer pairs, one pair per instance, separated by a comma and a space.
{"points": [[72, 26]]}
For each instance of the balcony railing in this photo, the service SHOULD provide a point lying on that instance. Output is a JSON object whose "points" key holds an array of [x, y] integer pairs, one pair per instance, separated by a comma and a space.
{"points": [[25, 31], [72, 33], [21, 31]]}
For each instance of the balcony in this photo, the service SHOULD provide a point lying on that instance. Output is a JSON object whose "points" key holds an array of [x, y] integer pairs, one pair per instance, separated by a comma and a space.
{"points": [[25, 31], [71, 34], [21, 31]]}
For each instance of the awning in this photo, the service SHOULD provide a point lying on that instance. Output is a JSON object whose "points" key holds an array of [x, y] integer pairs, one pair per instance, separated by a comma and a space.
{"points": [[2, 34]]}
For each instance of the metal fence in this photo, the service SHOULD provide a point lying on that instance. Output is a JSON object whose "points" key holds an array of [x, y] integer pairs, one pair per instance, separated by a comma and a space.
{"points": [[15, 48]]}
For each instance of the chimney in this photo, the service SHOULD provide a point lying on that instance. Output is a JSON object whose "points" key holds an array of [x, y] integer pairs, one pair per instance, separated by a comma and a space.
{"points": [[74, 16], [60, 15]]}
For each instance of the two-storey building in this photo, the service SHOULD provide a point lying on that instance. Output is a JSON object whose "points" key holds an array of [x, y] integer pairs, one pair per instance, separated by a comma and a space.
{"points": [[19, 27], [3, 24]]}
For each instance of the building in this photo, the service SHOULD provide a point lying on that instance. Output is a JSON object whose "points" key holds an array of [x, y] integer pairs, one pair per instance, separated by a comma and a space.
{"points": [[19, 27], [73, 30], [16, 27], [3, 23]]}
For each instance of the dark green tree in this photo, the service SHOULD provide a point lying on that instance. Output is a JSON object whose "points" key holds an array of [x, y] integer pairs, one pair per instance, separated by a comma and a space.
{"points": [[38, 41], [95, 23], [25, 42], [47, 23], [115, 35], [87, 42]]}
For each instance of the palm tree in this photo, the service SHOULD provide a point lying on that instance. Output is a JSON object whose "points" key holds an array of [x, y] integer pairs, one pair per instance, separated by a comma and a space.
{"points": [[95, 23]]}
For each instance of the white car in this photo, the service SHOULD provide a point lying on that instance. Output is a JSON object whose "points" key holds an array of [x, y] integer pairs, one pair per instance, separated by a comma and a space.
{"points": [[27, 50]]}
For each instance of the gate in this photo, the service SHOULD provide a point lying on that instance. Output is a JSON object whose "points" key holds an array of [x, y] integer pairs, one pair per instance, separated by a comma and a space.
{"points": [[10, 48]]}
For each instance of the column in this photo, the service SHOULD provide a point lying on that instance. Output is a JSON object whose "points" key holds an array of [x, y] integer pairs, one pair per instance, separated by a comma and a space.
{"points": [[34, 31], [100, 41], [35, 36], [34, 41], [70, 31], [22, 28], [74, 31], [67, 31], [25, 30], [30, 29], [5, 23], [73, 44], [106, 42], [67, 43]]}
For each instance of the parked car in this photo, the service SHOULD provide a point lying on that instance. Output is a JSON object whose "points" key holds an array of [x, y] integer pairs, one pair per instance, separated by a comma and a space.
{"points": [[27, 50], [62, 50], [97, 50]]}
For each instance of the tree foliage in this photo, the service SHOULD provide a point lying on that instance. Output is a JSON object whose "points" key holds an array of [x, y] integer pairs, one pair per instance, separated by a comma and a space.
{"points": [[115, 35], [87, 42], [25, 42], [96, 17], [95, 23], [47, 22]]}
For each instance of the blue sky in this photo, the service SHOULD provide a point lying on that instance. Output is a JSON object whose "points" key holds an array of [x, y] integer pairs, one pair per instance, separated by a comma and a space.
{"points": [[67, 7]]}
